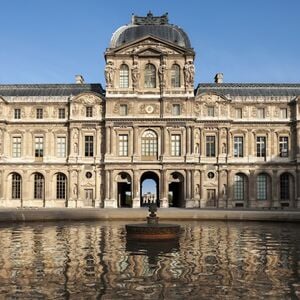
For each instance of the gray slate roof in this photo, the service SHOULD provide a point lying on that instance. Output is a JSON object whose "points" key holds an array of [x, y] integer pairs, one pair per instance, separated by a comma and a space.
{"points": [[49, 89], [250, 89]]}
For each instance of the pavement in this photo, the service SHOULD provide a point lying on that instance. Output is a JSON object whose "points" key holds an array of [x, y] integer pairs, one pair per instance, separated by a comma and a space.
{"points": [[137, 214]]}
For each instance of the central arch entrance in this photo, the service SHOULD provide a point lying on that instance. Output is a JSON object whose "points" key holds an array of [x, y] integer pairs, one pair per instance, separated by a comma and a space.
{"points": [[124, 190], [176, 189], [149, 188]]}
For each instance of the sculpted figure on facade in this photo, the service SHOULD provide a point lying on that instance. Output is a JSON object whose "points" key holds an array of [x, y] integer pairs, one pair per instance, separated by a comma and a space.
{"points": [[109, 73], [161, 73], [189, 73], [135, 74]]}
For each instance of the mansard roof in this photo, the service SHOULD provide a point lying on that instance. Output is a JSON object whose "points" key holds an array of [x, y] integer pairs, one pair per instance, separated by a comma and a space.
{"points": [[153, 26], [49, 89], [250, 89]]}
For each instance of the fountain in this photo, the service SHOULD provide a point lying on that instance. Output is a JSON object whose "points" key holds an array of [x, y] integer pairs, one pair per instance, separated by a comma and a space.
{"points": [[152, 230]]}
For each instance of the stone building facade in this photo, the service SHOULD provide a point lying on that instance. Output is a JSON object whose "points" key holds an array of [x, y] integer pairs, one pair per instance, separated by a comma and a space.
{"points": [[216, 145]]}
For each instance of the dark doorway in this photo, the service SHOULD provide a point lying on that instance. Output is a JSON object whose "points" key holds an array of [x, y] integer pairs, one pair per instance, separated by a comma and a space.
{"points": [[176, 195], [124, 190], [149, 188]]}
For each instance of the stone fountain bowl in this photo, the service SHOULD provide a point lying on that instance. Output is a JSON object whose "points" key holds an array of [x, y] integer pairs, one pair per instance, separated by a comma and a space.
{"points": [[152, 231]]}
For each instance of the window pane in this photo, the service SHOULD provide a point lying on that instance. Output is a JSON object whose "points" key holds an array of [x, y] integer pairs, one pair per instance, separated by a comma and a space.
{"points": [[238, 113], [149, 143], [238, 146], [89, 111], [16, 147], [284, 187], [124, 76], [17, 113], [61, 113], [39, 113], [39, 146], [150, 76], [61, 146], [175, 76], [61, 182], [16, 186], [262, 187], [284, 146], [38, 186], [176, 109], [261, 146], [89, 146], [210, 111], [239, 190], [283, 113], [176, 145], [123, 145], [210, 146], [123, 110]]}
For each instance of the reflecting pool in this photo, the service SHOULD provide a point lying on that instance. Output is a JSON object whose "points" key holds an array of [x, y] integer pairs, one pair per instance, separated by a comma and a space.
{"points": [[93, 260]]}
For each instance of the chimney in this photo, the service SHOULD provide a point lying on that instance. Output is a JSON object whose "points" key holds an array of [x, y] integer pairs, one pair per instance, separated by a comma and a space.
{"points": [[79, 79], [219, 78]]}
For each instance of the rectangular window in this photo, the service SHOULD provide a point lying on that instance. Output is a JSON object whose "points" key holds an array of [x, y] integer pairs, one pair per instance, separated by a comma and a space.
{"points": [[89, 111], [123, 110], [238, 113], [260, 113], [211, 111], [261, 146], [238, 146], [210, 146], [39, 113], [39, 146], [17, 113], [123, 145], [176, 110], [283, 146], [176, 145], [61, 146], [283, 113], [16, 146], [89, 146], [61, 113]]}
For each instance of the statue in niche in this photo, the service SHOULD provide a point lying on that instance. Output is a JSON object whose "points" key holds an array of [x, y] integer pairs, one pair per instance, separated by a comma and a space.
{"points": [[197, 189], [75, 147], [224, 150], [189, 73], [135, 74], [109, 73], [75, 134], [197, 148], [161, 73], [75, 189], [224, 190]]}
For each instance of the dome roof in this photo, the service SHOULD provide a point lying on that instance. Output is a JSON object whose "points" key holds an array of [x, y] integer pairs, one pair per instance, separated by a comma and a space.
{"points": [[150, 25]]}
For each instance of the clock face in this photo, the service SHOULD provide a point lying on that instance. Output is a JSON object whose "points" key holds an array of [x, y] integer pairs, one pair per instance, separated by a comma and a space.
{"points": [[149, 109]]}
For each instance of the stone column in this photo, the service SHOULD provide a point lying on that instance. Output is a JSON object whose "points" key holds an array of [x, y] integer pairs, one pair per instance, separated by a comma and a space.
{"points": [[275, 190], [166, 141], [163, 189], [135, 141], [188, 140], [107, 188], [136, 200], [202, 189], [98, 143], [97, 187], [229, 189], [252, 189], [190, 187], [192, 140], [107, 138]]}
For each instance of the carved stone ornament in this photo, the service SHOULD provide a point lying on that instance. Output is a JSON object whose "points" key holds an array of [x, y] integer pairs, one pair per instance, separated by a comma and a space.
{"points": [[197, 109], [87, 99], [148, 109], [254, 112], [168, 108], [223, 109], [135, 74]]}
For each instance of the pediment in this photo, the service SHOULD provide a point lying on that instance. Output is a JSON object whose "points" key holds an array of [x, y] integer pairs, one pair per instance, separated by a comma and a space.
{"points": [[87, 99], [212, 98], [149, 43]]}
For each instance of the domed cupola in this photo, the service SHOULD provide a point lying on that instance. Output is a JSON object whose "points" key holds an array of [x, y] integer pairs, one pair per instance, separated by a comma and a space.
{"points": [[150, 26]]}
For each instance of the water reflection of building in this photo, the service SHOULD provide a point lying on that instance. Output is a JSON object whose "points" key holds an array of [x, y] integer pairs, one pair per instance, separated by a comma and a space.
{"points": [[219, 145], [84, 260]]}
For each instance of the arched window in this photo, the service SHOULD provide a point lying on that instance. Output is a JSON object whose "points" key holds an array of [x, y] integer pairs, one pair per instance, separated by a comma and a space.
{"points": [[150, 76], [285, 186], [149, 143], [175, 76], [124, 76], [261, 187], [61, 185], [16, 186], [239, 187], [38, 186]]}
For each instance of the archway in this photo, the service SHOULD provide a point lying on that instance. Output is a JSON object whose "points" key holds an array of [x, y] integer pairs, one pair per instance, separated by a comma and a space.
{"points": [[175, 195], [124, 190], [149, 188]]}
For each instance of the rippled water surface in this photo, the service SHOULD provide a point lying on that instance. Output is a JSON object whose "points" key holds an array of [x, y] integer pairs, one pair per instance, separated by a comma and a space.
{"points": [[93, 260]]}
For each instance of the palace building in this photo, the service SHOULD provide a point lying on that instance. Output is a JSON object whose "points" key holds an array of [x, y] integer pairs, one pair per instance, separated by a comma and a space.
{"points": [[208, 145]]}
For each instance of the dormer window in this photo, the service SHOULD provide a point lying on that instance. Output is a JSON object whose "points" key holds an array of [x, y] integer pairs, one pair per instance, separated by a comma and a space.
{"points": [[17, 113], [150, 76], [89, 111], [39, 113], [210, 111]]}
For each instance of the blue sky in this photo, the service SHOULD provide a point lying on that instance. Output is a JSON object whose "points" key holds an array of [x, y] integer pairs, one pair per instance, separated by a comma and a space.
{"points": [[51, 41]]}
